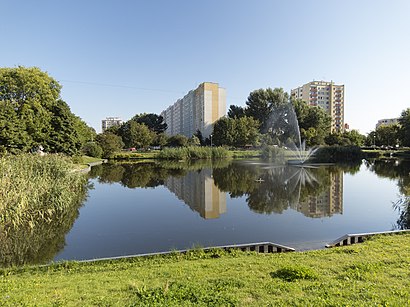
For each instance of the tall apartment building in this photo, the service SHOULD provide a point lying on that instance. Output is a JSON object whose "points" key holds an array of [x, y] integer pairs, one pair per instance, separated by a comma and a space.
{"points": [[110, 122], [197, 110], [326, 95]]}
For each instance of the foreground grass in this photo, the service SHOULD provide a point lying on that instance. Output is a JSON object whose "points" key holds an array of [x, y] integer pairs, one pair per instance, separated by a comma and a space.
{"points": [[373, 273]]}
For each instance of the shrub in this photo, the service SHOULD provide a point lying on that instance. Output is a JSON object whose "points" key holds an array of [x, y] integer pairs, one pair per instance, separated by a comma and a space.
{"points": [[334, 154], [193, 153], [92, 149]]}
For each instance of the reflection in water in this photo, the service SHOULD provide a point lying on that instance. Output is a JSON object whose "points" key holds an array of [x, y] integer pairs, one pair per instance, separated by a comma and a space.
{"points": [[398, 170], [199, 192], [40, 242], [313, 191]]}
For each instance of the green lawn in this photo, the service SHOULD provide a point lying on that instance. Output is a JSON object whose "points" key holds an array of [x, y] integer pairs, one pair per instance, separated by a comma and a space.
{"points": [[375, 273]]}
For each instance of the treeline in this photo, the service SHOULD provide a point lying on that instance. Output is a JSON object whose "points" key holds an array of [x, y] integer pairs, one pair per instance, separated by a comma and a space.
{"points": [[141, 132], [392, 135], [268, 118], [33, 116]]}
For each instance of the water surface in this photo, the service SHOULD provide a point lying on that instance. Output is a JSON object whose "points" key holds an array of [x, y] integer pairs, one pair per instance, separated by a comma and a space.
{"points": [[150, 207]]}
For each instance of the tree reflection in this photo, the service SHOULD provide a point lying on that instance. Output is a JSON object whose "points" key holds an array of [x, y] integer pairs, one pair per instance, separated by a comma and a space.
{"points": [[274, 189], [397, 170]]}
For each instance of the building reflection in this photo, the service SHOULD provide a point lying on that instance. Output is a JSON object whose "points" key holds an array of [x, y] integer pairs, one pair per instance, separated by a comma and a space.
{"points": [[199, 192], [328, 203]]}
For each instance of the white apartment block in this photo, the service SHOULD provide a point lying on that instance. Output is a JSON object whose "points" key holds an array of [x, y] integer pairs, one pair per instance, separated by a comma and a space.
{"points": [[197, 110], [326, 95], [387, 122], [110, 122]]}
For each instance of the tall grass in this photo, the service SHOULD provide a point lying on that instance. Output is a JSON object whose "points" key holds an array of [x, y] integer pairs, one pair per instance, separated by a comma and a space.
{"points": [[194, 153], [34, 188]]}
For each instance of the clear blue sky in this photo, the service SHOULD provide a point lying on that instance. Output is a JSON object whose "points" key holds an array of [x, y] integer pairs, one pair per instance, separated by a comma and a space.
{"points": [[120, 58]]}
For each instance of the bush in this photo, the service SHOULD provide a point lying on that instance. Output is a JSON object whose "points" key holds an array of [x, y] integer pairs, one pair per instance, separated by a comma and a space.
{"points": [[333, 154], [193, 152], [92, 149]]}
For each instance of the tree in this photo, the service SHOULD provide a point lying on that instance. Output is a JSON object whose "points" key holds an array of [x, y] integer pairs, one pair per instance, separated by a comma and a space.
{"points": [[92, 149], [136, 135], [194, 141], [404, 132], [347, 138], [236, 111], [153, 121], [160, 139], [13, 135], [63, 136], [224, 132], [262, 102], [200, 137], [30, 102], [178, 140], [247, 132], [314, 122], [387, 135], [109, 143], [237, 132]]}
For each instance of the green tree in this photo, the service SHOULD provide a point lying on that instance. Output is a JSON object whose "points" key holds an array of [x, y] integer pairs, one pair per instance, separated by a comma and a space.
{"points": [[13, 135], [178, 140], [194, 141], [92, 149], [136, 135], [262, 102], [314, 122], [224, 132], [347, 138], [63, 136], [404, 132], [200, 137], [109, 143], [153, 121], [247, 132], [236, 111], [385, 135], [236, 132], [31, 100], [160, 139]]}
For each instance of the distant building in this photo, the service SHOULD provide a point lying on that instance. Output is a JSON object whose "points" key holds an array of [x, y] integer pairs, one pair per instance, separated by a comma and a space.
{"points": [[326, 95], [197, 110], [387, 122], [110, 122]]}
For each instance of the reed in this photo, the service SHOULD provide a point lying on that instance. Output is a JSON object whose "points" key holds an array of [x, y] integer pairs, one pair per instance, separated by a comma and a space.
{"points": [[36, 189]]}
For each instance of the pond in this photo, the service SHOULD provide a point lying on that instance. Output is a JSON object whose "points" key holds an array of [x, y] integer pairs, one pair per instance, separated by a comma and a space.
{"points": [[135, 208]]}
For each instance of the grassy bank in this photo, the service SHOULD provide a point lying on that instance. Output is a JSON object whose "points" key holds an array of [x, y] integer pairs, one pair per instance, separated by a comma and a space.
{"points": [[373, 273], [39, 198]]}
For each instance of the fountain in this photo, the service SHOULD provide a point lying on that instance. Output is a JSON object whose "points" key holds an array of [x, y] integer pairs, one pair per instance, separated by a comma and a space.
{"points": [[284, 131]]}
